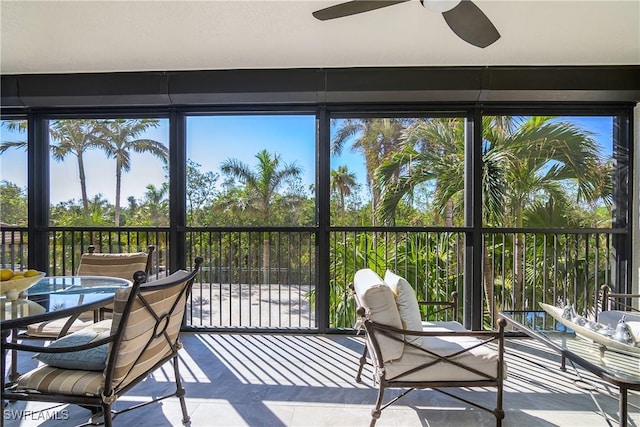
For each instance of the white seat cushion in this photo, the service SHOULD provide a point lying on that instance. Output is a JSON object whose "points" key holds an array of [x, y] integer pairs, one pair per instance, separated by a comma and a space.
{"points": [[442, 326], [379, 301], [480, 358]]}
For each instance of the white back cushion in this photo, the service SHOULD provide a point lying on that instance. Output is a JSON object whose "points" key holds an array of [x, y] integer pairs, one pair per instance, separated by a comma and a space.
{"points": [[380, 303], [407, 305]]}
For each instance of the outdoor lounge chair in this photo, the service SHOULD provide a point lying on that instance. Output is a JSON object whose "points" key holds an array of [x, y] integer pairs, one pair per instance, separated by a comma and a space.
{"points": [[99, 364], [408, 353]]}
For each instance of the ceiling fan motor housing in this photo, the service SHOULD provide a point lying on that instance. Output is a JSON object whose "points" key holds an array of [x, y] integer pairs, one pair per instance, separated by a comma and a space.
{"points": [[440, 5]]}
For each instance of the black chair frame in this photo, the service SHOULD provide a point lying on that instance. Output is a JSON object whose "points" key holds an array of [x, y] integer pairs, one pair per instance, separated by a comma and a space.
{"points": [[102, 405], [617, 301], [374, 329]]}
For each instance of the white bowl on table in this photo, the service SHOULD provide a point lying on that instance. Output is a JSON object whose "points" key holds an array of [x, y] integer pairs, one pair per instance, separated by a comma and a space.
{"points": [[11, 289]]}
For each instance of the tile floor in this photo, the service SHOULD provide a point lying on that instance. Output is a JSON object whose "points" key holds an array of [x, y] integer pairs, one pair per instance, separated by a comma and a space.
{"points": [[308, 380]]}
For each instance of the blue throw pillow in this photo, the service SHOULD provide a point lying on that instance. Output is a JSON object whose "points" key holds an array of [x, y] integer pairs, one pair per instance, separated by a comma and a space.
{"points": [[92, 359]]}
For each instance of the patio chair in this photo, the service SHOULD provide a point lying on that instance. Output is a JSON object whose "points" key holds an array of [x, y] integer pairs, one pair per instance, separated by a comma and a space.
{"points": [[121, 265], [408, 353], [96, 366]]}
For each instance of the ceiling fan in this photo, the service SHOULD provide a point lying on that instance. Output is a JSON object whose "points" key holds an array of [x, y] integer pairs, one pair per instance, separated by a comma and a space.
{"points": [[465, 18]]}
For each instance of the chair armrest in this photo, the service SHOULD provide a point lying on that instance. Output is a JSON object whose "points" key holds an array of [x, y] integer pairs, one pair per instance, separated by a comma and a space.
{"points": [[396, 332], [617, 301]]}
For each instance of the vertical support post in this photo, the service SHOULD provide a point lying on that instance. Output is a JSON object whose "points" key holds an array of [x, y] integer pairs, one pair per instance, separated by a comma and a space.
{"points": [[473, 303], [177, 191], [622, 200], [323, 218], [634, 228], [38, 192]]}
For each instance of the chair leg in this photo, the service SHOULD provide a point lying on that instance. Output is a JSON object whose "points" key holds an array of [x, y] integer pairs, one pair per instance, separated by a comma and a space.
{"points": [[106, 414], [180, 392], [499, 413], [363, 361], [375, 412]]}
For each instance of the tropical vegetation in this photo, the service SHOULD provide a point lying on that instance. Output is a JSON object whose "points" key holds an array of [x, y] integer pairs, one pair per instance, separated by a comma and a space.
{"points": [[537, 172]]}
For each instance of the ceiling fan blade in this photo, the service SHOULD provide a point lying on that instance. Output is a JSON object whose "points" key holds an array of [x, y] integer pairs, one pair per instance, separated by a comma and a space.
{"points": [[471, 24], [352, 8]]}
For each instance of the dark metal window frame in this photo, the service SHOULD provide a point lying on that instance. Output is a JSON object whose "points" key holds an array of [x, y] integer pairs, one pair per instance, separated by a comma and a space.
{"points": [[468, 91]]}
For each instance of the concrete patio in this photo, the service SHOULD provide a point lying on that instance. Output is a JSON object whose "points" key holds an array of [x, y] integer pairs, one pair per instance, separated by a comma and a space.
{"points": [[308, 380]]}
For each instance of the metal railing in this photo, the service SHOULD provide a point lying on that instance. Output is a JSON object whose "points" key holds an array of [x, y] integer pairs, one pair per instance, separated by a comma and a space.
{"points": [[254, 278], [527, 267], [431, 259], [66, 244], [267, 278], [14, 253], [520, 267]]}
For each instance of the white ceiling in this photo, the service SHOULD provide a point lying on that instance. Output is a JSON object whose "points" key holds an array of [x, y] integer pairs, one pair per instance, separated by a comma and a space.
{"points": [[98, 36]]}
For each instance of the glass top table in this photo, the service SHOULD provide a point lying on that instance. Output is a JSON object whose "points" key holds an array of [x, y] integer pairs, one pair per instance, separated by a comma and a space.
{"points": [[57, 297], [618, 368]]}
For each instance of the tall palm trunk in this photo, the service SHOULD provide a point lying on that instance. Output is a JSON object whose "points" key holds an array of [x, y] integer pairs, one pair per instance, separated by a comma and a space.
{"points": [[448, 213], [118, 187], [375, 194], [83, 184], [488, 278], [518, 272]]}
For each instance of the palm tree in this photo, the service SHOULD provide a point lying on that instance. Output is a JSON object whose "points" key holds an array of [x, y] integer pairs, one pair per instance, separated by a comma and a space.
{"points": [[119, 138], [433, 150], [261, 186], [133, 204], [521, 161], [15, 125], [99, 207], [73, 137], [375, 139], [342, 182], [156, 203], [544, 154]]}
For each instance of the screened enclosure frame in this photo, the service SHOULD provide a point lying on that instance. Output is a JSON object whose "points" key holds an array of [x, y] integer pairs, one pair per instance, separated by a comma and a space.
{"points": [[303, 99]]}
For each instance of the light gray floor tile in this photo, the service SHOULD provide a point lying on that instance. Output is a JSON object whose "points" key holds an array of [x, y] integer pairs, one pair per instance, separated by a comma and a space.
{"points": [[297, 381]]}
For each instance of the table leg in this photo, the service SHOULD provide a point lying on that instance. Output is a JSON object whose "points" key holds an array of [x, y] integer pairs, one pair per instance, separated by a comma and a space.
{"points": [[622, 407], [563, 365], [14, 357], [3, 360]]}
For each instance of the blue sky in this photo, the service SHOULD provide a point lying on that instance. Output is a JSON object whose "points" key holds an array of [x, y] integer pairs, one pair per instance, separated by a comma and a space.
{"points": [[210, 141]]}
